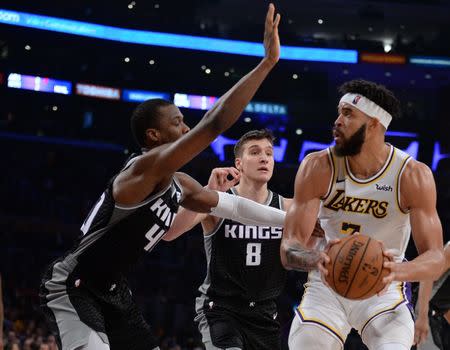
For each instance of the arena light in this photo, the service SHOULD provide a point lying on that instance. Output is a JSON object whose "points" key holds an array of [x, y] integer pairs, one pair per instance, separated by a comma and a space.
{"points": [[401, 133], [29, 20], [194, 101], [36, 83], [430, 61], [266, 108], [438, 156], [98, 91], [143, 95], [382, 58]]}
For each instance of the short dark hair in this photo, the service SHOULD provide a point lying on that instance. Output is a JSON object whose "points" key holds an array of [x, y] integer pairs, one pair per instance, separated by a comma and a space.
{"points": [[378, 94], [146, 116], [252, 135]]}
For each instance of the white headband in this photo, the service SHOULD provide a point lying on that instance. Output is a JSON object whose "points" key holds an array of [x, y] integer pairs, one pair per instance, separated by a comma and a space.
{"points": [[367, 106]]}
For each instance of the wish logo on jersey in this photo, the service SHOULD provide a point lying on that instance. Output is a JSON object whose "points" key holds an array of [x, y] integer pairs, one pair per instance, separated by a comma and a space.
{"points": [[357, 205], [252, 232]]}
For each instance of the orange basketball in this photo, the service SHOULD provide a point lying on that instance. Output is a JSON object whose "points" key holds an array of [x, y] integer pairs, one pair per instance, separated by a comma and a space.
{"points": [[356, 270]]}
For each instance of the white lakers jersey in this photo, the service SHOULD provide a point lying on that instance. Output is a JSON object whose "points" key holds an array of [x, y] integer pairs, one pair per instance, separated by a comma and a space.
{"points": [[369, 206]]}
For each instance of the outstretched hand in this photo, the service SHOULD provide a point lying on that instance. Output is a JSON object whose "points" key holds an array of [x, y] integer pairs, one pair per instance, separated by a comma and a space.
{"points": [[271, 38]]}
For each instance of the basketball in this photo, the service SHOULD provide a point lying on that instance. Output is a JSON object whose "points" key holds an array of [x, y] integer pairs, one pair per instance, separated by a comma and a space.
{"points": [[356, 270]]}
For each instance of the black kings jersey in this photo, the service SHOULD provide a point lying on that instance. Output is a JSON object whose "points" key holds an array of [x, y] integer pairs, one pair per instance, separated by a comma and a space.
{"points": [[243, 261], [115, 237]]}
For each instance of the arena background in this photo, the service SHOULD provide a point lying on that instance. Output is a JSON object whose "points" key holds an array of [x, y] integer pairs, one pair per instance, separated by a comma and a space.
{"points": [[67, 91]]}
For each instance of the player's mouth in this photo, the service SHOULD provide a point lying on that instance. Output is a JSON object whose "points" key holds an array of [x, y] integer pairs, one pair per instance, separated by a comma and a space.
{"points": [[263, 169], [337, 135]]}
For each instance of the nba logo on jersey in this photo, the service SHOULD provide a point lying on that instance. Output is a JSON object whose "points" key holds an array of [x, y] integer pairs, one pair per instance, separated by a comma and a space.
{"points": [[356, 99]]}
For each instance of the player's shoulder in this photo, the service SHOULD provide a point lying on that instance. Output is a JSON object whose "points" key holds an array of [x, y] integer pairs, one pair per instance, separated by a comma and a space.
{"points": [[317, 162], [416, 172], [319, 155], [417, 168]]}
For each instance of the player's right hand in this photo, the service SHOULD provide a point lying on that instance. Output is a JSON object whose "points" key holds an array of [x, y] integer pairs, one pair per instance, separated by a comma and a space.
{"points": [[271, 38], [325, 259], [222, 179]]}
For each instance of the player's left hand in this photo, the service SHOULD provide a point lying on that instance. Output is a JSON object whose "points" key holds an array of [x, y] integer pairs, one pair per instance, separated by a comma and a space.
{"points": [[421, 329], [271, 37], [392, 266], [222, 179]]}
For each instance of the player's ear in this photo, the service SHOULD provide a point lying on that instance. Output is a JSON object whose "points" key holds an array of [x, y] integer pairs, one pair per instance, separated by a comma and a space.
{"points": [[238, 163], [373, 123], [153, 135]]}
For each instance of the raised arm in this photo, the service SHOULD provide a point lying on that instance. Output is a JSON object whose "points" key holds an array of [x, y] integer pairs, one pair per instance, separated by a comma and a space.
{"points": [[418, 195], [311, 184], [139, 180]]}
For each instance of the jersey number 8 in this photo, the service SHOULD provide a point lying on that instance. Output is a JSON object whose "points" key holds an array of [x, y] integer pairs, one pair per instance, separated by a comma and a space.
{"points": [[253, 254]]}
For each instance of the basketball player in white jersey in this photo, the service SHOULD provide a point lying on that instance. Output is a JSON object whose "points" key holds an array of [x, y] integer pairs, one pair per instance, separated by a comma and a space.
{"points": [[366, 185]]}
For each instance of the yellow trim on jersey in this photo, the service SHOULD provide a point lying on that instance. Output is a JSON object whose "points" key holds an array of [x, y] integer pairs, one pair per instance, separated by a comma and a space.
{"points": [[329, 328], [397, 183], [333, 174], [378, 177], [399, 301], [314, 320]]}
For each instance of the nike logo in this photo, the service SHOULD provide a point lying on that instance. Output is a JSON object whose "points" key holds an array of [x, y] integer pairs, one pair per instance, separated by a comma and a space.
{"points": [[338, 181]]}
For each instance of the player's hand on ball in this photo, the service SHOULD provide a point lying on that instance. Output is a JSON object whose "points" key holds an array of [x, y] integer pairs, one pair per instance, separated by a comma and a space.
{"points": [[325, 260], [222, 179], [421, 329], [391, 265]]}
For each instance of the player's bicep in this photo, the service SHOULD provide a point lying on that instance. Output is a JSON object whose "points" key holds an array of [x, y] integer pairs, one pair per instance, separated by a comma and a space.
{"points": [[311, 183], [420, 189], [426, 229]]}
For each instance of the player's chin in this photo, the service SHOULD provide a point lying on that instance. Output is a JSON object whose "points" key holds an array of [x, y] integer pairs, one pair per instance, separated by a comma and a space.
{"points": [[263, 176]]}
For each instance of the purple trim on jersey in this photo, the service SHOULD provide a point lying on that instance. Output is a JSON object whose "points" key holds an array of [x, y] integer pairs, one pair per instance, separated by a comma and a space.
{"points": [[407, 295], [406, 299], [320, 324]]}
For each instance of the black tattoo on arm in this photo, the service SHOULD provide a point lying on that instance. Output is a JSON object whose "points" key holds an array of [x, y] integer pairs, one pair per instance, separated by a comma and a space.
{"points": [[301, 259]]}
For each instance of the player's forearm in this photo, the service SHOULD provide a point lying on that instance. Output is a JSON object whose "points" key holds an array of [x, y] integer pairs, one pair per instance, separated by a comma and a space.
{"points": [[231, 105], [423, 299], [427, 266], [184, 221], [295, 257], [246, 211]]}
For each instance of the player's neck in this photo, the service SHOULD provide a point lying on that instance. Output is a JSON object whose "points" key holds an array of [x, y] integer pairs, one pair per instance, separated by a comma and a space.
{"points": [[370, 160], [256, 191]]}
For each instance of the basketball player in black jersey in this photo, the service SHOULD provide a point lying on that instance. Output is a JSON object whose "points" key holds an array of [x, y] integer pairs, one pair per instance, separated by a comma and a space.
{"points": [[237, 308], [437, 297], [85, 293]]}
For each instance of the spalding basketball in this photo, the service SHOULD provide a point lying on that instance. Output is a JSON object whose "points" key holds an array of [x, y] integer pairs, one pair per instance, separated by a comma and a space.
{"points": [[356, 270]]}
